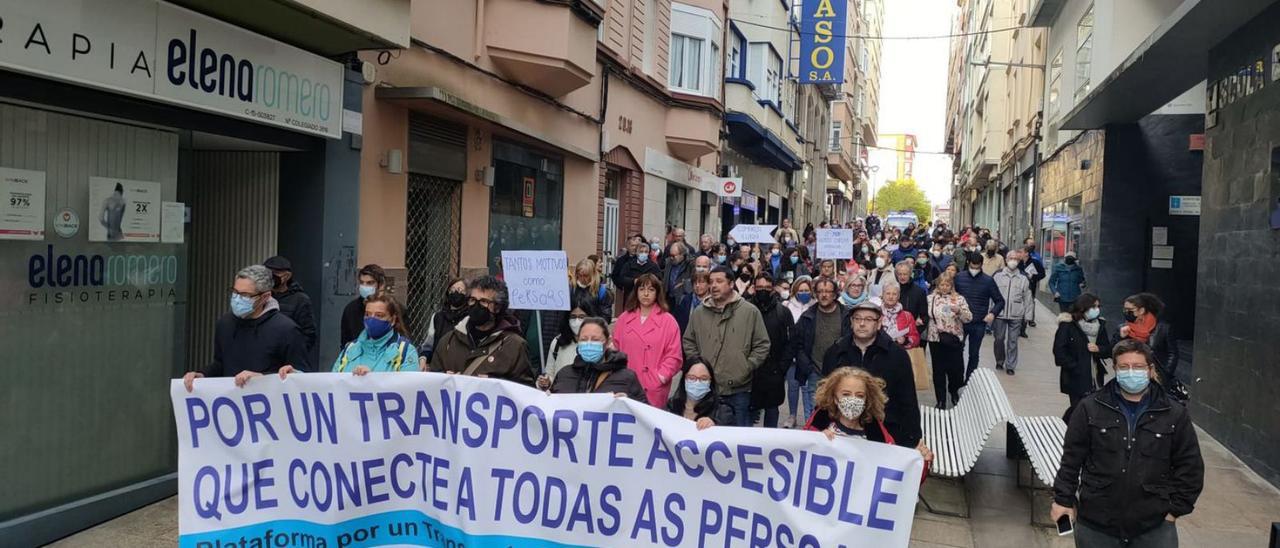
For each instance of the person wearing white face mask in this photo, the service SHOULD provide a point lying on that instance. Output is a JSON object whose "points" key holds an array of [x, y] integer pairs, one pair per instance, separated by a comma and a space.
{"points": [[851, 403], [564, 348], [882, 274], [1079, 346], [1015, 288]]}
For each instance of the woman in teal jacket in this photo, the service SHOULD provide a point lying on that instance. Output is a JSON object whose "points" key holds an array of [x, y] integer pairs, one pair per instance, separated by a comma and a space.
{"points": [[383, 345]]}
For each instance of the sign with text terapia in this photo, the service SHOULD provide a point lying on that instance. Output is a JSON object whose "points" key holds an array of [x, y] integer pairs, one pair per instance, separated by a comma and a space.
{"points": [[823, 29], [165, 53]]}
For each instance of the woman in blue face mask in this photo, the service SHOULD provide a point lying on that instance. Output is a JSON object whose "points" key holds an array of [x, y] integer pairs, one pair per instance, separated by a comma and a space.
{"points": [[597, 368], [382, 346], [697, 399], [1079, 347]]}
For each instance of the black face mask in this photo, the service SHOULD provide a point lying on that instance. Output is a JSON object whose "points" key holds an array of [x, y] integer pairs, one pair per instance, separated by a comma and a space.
{"points": [[478, 316], [744, 276], [762, 299], [1070, 260], [279, 281], [454, 299], [1130, 317]]}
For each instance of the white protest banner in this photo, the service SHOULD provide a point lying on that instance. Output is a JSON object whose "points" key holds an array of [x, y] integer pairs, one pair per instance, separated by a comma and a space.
{"points": [[331, 459], [835, 243], [536, 280], [753, 234]]}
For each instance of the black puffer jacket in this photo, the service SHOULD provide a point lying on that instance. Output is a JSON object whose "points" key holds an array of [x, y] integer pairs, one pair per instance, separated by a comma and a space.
{"points": [[769, 384], [584, 378], [295, 304], [1124, 483]]}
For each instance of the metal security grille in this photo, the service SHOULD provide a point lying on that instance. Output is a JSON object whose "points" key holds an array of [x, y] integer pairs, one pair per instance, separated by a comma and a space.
{"points": [[431, 247]]}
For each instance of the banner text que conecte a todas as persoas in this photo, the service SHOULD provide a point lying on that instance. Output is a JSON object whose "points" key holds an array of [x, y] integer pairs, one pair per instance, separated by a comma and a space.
{"points": [[433, 459]]}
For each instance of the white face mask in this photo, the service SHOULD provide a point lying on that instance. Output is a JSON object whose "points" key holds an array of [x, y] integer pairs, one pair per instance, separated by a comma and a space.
{"points": [[784, 294], [880, 262], [574, 325], [975, 271], [1013, 265]]}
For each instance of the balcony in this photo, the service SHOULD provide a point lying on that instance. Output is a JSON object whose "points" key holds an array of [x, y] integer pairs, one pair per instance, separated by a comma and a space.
{"points": [[840, 164], [692, 134], [327, 27], [548, 46]]}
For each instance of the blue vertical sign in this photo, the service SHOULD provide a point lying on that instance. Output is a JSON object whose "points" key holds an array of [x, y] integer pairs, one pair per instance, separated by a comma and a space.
{"points": [[823, 27]]}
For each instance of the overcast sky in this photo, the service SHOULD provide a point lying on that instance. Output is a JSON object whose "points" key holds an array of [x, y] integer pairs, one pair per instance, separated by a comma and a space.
{"points": [[913, 91]]}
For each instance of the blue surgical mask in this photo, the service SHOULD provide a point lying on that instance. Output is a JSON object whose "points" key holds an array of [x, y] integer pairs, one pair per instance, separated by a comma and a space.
{"points": [[795, 259], [591, 351], [697, 389], [721, 259], [367, 291], [1092, 313], [804, 297], [642, 258], [241, 306], [1133, 381], [375, 327]]}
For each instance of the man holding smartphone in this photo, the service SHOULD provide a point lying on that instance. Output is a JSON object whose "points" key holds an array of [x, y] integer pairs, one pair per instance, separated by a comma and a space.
{"points": [[1131, 464]]}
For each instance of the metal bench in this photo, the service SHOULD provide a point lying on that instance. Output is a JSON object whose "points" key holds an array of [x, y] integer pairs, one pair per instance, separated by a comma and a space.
{"points": [[1039, 441], [957, 435]]}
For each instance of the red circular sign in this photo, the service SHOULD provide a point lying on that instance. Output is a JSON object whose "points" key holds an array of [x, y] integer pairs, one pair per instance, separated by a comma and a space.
{"points": [[730, 187]]}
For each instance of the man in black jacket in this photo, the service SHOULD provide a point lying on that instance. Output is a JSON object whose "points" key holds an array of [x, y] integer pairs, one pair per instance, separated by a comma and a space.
{"points": [[818, 329], [914, 299], [1033, 266], [870, 348], [631, 266], [255, 337], [1131, 464], [769, 382], [294, 303]]}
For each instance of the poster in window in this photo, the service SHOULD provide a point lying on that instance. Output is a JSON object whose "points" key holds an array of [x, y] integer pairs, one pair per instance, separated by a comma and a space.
{"points": [[528, 197], [21, 204], [122, 210]]}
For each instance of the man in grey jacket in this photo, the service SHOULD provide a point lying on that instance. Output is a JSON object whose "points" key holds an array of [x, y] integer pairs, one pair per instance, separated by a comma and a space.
{"points": [[1015, 287], [727, 334]]}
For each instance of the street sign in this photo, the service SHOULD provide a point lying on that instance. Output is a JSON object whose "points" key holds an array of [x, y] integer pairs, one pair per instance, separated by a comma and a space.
{"points": [[752, 234], [1184, 205], [729, 187]]}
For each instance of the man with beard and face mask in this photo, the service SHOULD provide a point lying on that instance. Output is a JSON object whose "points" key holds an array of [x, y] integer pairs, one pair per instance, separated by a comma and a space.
{"points": [[677, 274], [868, 347], [487, 343], [768, 387], [1067, 282], [728, 335], [254, 338]]}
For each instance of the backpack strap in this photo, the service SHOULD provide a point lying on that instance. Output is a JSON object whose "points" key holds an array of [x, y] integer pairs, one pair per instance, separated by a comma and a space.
{"points": [[342, 364], [395, 364], [600, 380]]}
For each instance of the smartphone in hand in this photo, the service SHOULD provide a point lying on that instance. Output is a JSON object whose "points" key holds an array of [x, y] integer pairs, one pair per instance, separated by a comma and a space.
{"points": [[1064, 526]]}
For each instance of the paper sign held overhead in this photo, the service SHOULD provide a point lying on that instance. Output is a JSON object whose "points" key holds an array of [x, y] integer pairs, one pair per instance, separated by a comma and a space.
{"points": [[835, 243], [753, 234], [536, 280]]}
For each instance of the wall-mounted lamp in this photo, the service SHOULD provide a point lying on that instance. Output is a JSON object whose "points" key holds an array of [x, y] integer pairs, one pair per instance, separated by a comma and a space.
{"points": [[393, 161]]}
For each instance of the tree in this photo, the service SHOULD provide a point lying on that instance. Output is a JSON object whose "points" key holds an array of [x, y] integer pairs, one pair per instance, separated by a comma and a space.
{"points": [[902, 195]]}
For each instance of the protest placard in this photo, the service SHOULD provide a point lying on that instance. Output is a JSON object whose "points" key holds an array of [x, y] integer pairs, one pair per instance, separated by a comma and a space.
{"points": [[328, 459], [536, 280], [753, 234], [835, 243]]}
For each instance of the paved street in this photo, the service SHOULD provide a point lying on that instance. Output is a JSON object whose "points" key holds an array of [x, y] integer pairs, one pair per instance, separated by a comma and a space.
{"points": [[1236, 509]]}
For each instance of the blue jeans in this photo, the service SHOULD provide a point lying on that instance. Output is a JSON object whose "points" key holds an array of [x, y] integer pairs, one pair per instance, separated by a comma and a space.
{"points": [[741, 405], [794, 391], [973, 334]]}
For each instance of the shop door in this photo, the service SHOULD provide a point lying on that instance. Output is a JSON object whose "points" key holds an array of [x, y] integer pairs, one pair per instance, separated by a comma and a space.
{"points": [[431, 248]]}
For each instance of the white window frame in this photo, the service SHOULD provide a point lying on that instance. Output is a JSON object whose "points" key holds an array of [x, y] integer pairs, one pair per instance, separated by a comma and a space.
{"points": [[1055, 84], [1084, 54], [695, 25], [836, 127], [736, 67]]}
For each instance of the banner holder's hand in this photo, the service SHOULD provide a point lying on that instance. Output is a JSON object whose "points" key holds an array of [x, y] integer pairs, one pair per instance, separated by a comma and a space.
{"points": [[242, 378], [189, 379], [286, 371]]}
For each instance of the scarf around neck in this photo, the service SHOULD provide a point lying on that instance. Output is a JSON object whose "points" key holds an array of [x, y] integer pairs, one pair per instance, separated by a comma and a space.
{"points": [[1141, 329]]}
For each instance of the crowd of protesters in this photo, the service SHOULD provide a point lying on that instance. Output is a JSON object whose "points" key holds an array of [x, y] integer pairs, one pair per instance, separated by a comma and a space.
{"points": [[733, 333]]}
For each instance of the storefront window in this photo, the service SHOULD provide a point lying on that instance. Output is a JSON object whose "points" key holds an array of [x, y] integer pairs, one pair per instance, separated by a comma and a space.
{"points": [[676, 199], [525, 204]]}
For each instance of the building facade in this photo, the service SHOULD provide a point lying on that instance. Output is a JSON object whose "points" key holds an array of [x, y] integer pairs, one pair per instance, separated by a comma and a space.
{"points": [[150, 181], [1222, 231], [855, 114]]}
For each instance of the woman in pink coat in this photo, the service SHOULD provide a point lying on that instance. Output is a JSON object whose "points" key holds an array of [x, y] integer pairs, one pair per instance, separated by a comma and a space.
{"points": [[650, 337]]}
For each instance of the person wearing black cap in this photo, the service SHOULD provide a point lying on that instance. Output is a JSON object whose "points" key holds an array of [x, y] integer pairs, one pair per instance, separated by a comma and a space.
{"points": [[293, 302], [870, 348]]}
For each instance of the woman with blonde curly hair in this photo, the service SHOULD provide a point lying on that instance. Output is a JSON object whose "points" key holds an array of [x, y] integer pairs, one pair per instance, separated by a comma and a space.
{"points": [[850, 403]]}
